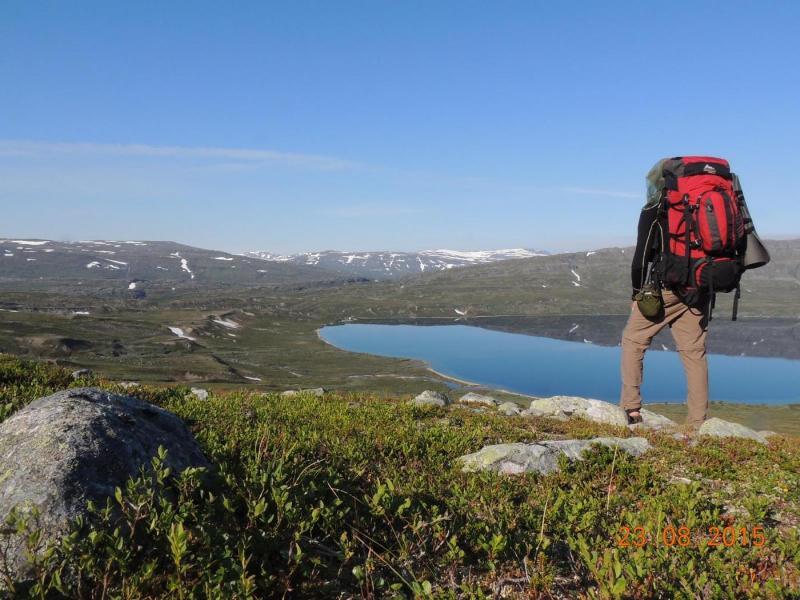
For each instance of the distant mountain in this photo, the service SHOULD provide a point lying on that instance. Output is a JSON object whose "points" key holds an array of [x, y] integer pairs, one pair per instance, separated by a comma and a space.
{"points": [[595, 282], [136, 265], [387, 265]]}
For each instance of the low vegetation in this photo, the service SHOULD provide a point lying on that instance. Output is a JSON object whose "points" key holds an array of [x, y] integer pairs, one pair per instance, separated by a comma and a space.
{"points": [[359, 495]]}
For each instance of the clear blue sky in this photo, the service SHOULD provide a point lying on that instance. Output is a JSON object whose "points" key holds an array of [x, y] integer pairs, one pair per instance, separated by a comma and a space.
{"points": [[385, 125]]}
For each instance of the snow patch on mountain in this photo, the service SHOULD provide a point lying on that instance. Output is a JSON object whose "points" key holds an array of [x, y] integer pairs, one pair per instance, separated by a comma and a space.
{"points": [[28, 242], [391, 264]]}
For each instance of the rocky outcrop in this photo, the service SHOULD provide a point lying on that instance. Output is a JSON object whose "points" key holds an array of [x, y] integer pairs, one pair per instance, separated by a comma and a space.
{"points": [[542, 457], [431, 398], [561, 407], [78, 445], [718, 428], [473, 398]]}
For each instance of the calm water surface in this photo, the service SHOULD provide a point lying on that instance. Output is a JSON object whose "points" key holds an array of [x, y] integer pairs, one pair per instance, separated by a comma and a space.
{"points": [[546, 367]]}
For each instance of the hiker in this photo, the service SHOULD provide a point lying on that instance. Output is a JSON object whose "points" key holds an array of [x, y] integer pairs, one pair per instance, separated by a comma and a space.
{"points": [[695, 239]]}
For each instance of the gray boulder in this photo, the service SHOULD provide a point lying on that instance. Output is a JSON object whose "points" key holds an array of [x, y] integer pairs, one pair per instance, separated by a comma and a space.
{"points": [[542, 457], [594, 410], [200, 393], [473, 398], [718, 428], [509, 409], [78, 445], [587, 408], [431, 398], [532, 412]]}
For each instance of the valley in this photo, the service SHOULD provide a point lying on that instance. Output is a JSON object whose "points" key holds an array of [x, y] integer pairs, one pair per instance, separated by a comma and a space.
{"points": [[222, 326]]}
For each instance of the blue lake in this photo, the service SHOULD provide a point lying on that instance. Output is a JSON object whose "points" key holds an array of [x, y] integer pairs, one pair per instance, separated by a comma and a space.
{"points": [[546, 367]]}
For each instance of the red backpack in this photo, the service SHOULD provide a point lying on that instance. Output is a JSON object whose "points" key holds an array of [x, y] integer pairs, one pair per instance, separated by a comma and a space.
{"points": [[702, 218]]}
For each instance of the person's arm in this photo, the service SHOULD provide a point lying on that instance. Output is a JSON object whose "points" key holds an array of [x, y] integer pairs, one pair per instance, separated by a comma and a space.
{"points": [[644, 249]]}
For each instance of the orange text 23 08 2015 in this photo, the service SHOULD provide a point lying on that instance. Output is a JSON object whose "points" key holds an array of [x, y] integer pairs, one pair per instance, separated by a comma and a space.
{"points": [[682, 536]]}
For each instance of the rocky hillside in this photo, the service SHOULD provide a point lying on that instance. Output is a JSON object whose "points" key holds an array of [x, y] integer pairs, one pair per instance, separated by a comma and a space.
{"points": [[388, 265], [136, 265], [318, 495], [579, 283]]}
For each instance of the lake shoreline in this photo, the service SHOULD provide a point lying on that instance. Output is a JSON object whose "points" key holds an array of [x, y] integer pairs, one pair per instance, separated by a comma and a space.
{"points": [[529, 370], [766, 337]]}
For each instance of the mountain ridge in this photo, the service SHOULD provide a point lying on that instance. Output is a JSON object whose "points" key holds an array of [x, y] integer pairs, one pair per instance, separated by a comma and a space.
{"points": [[388, 264]]}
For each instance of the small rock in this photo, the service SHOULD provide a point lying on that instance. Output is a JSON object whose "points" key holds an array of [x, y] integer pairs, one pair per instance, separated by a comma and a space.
{"points": [[431, 398], [128, 384], [542, 457], [318, 392], [532, 412], [719, 428], [680, 480], [473, 398], [509, 409], [653, 420], [200, 393], [80, 373]]}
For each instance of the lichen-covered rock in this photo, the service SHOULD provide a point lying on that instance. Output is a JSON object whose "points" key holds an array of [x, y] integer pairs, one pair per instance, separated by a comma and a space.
{"points": [[431, 398], [588, 408], [473, 398], [200, 393], [509, 409], [78, 445], [594, 410], [542, 457], [718, 428]]}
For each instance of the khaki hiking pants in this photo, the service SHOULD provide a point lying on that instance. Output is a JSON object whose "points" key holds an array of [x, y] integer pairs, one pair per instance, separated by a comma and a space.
{"points": [[689, 328]]}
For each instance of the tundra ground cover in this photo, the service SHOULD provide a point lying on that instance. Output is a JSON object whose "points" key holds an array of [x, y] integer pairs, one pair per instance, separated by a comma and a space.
{"points": [[358, 495]]}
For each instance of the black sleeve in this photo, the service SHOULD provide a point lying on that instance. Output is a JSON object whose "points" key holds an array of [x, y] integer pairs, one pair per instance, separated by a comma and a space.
{"points": [[643, 250]]}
